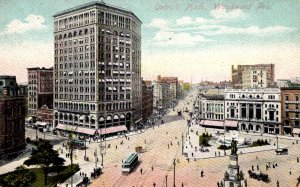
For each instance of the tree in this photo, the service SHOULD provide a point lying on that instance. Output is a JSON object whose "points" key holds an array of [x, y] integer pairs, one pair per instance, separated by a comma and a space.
{"points": [[226, 175], [186, 86], [45, 157], [20, 177]]}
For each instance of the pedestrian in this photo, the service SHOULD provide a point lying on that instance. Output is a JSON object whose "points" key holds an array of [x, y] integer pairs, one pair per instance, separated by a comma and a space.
{"points": [[216, 155], [168, 146], [266, 167], [152, 168], [202, 172], [252, 168], [256, 158], [277, 183], [116, 147], [80, 174], [219, 153], [177, 143], [290, 171], [257, 167], [141, 171], [297, 159], [181, 184], [171, 143], [218, 184], [192, 154]]}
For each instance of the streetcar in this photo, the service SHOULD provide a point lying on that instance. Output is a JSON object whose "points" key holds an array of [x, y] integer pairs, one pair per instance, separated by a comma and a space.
{"points": [[130, 163]]}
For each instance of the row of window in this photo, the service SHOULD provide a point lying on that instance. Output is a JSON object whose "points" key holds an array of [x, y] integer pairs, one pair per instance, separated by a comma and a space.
{"points": [[296, 97], [92, 107]]}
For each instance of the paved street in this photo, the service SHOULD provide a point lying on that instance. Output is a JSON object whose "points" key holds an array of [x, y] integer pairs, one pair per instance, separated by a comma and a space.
{"points": [[157, 155]]}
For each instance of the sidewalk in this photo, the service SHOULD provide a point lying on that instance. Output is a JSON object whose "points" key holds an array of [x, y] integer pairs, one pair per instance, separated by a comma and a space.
{"points": [[271, 135]]}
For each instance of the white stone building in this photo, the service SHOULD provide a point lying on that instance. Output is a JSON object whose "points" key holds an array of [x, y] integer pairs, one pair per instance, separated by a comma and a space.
{"points": [[255, 110]]}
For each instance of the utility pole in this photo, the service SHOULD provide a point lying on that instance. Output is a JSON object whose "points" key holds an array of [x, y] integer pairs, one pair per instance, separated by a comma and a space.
{"points": [[96, 158], [277, 141], [182, 142], [174, 163], [84, 149], [166, 180]]}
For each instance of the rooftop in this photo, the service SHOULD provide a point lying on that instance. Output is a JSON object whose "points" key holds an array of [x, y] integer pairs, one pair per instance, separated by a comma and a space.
{"points": [[95, 3]]}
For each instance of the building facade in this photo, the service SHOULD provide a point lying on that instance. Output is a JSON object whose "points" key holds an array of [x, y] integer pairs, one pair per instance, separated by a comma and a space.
{"points": [[212, 107], [256, 110], [40, 88], [97, 67], [12, 116], [174, 85], [45, 117], [161, 95], [283, 83], [147, 100], [253, 76], [290, 116]]}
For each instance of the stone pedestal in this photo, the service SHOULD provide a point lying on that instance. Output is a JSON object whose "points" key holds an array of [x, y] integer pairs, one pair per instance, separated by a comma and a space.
{"points": [[232, 176]]}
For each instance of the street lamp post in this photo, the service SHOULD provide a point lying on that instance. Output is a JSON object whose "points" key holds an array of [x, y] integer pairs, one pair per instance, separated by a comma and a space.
{"points": [[96, 158], [166, 180], [182, 142], [36, 135], [174, 163], [277, 141], [84, 149], [224, 143]]}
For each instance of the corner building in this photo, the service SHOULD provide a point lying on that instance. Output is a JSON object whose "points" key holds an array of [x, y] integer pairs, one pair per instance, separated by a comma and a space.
{"points": [[12, 117], [97, 67]]}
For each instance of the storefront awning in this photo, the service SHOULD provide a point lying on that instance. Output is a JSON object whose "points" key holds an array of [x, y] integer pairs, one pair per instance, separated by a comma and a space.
{"points": [[65, 127], [111, 130], [229, 123], [213, 123], [85, 131], [296, 131], [42, 123]]}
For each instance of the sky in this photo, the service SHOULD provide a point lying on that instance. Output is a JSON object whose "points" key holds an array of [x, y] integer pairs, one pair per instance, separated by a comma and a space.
{"points": [[193, 39]]}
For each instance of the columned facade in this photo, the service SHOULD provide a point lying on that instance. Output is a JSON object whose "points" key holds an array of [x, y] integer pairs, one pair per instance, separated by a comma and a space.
{"points": [[256, 110]]}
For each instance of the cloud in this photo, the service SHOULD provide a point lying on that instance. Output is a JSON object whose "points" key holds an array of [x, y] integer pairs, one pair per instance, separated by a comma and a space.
{"points": [[220, 13], [252, 30], [215, 63], [165, 38], [32, 22], [158, 23], [184, 21], [14, 59]]}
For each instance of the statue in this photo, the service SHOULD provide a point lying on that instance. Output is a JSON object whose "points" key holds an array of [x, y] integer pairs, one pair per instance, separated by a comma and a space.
{"points": [[233, 147]]}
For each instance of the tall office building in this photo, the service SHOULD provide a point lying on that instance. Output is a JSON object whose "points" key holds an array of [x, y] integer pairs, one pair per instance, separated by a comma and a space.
{"points": [[40, 89], [253, 76], [97, 68], [12, 116]]}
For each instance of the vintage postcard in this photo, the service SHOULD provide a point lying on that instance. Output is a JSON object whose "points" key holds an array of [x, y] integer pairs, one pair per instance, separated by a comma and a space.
{"points": [[132, 93]]}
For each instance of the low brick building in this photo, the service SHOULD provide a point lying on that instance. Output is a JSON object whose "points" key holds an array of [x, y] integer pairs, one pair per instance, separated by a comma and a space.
{"points": [[45, 115], [290, 117], [12, 116]]}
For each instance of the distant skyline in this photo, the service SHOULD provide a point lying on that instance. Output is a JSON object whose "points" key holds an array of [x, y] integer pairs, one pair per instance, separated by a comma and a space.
{"points": [[193, 39]]}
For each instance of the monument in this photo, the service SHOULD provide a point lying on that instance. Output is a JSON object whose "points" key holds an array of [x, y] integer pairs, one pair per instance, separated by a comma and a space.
{"points": [[234, 177]]}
